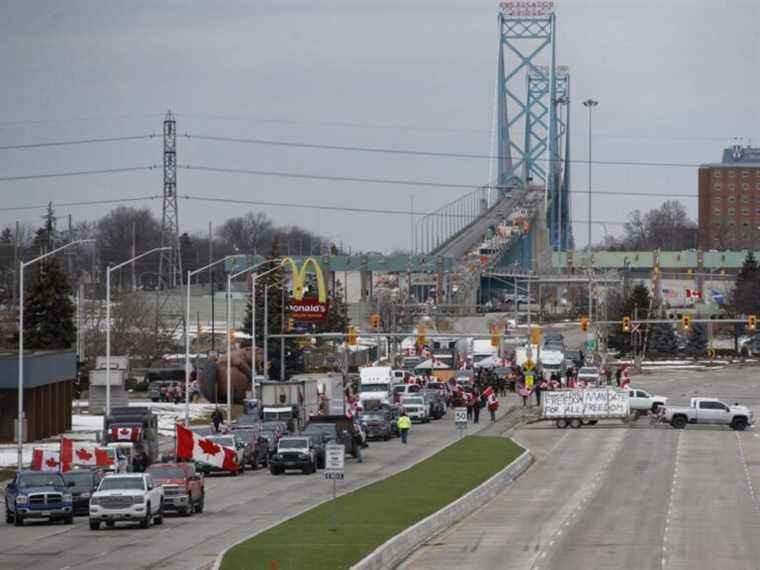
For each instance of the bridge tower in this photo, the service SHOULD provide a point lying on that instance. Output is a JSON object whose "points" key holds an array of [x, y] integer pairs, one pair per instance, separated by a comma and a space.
{"points": [[532, 119]]}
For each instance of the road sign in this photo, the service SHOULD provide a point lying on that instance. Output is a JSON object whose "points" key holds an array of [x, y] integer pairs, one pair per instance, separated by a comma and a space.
{"points": [[460, 415], [711, 352], [334, 475], [590, 344], [335, 457], [528, 365]]}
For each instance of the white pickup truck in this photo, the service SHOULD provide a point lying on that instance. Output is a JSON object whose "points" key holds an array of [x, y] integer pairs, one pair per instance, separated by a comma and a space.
{"points": [[708, 411], [129, 498], [644, 402]]}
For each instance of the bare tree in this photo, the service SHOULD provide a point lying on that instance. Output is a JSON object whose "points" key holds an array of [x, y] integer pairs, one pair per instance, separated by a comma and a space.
{"points": [[250, 233]]}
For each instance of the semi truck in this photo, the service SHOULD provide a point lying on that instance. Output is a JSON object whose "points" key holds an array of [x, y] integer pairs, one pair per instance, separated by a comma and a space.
{"points": [[137, 424], [292, 401]]}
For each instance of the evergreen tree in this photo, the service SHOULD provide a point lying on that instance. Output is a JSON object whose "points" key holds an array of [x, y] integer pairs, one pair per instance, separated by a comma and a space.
{"points": [[7, 236], [45, 237], [637, 304], [48, 308], [696, 342], [337, 315], [662, 340], [745, 299]]}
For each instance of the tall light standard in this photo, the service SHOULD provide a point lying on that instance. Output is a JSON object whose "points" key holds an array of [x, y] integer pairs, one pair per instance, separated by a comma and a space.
{"points": [[589, 104], [23, 265], [109, 270], [230, 277], [187, 331]]}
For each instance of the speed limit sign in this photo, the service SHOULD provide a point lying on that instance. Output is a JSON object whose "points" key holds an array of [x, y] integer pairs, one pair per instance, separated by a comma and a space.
{"points": [[460, 416]]}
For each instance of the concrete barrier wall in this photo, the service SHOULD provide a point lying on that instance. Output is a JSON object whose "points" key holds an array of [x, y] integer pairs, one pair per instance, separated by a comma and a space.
{"points": [[391, 553]]}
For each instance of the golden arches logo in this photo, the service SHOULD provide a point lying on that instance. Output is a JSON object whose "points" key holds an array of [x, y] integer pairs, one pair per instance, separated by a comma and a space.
{"points": [[299, 278]]}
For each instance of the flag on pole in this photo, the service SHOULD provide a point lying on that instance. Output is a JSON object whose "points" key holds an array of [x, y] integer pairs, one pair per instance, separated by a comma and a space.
{"points": [[193, 447], [46, 460]]}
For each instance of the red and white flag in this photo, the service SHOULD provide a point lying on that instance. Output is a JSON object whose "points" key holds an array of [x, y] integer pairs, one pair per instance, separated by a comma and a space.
{"points": [[193, 447], [46, 460], [129, 433], [82, 453], [488, 392]]}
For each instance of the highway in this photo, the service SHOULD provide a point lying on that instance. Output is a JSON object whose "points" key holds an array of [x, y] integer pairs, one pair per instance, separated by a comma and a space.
{"points": [[236, 507], [618, 497]]}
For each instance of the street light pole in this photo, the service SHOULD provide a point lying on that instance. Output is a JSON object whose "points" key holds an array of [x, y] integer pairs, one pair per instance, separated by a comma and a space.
{"points": [[23, 265], [187, 332], [589, 104], [109, 270], [230, 277]]}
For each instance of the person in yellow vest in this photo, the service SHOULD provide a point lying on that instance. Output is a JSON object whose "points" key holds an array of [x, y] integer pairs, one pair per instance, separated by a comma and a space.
{"points": [[404, 425]]}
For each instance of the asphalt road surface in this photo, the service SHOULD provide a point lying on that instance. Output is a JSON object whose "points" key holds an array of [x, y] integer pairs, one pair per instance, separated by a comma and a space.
{"points": [[236, 507], [617, 497]]}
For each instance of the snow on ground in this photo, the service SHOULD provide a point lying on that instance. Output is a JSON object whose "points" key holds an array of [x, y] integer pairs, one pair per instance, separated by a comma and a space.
{"points": [[86, 427]]}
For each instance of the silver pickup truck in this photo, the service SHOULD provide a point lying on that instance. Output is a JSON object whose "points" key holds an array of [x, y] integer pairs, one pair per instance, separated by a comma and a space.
{"points": [[708, 411]]}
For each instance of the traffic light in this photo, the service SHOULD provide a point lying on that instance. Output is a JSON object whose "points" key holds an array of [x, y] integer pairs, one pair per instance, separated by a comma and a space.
{"points": [[421, 339], [351, 337], [535, 335], [686, 321], [375, 321], [626, 324], [495, 339], [752, 322], [584, 323]]}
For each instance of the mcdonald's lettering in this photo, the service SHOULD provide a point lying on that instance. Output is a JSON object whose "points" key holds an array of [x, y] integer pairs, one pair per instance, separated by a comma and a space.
{"points": [[307, 309]]}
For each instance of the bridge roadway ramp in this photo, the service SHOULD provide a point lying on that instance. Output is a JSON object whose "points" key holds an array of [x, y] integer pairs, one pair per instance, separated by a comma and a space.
{"points": [[464, 241]]}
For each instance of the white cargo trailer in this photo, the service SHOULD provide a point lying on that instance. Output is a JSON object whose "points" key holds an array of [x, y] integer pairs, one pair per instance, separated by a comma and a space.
{"points": [[575, 408]]}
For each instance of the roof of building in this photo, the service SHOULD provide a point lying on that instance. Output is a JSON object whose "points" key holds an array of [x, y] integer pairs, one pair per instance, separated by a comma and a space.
{"points": [[40, 368], [737, 156]]}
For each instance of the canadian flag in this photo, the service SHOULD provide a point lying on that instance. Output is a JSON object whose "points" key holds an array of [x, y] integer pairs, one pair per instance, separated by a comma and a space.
{"points": [[82, 453], [46, 460], [488, 392], [196, 448], [129, 433]]}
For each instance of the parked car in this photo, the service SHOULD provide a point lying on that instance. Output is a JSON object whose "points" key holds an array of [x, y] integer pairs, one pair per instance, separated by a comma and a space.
{"points": [[85, 481], [279, 427], [416, 408], [378, 424], [246, 421], [256, 447], [130, 497], [272, 438], [319, 440], [400, 391], [184, 488], [36, 495], [589, 374], [435, 402], [294, 452]]}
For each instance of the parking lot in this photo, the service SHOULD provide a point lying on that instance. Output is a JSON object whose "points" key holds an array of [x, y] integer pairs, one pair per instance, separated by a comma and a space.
{"points": [[236, 507], [614, 496]]}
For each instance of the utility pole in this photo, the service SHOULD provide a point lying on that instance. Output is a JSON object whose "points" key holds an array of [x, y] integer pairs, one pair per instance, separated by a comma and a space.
{"points": [[134, 253], [282, 340], [589, 104]]}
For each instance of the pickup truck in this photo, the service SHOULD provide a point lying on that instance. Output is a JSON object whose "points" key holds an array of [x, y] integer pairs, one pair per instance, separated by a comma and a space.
{"points": [[708, 411], [294, 453], [34, 495], [416, 408], [184, 489], [129, 497], [644, 402]]}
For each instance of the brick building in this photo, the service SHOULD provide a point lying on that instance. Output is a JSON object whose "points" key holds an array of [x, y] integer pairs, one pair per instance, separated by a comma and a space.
{"points": [[729, 200]]}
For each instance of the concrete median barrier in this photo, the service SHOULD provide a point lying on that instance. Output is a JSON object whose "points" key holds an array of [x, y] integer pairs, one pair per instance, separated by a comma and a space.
{"points": [[391, 553]]}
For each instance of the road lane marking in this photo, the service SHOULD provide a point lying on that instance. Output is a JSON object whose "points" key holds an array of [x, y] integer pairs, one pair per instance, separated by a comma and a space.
{"points": [[669, 515]]}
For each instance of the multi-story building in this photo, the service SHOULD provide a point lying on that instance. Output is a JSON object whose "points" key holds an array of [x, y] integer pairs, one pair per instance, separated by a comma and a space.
{"points": [[729, 200]]}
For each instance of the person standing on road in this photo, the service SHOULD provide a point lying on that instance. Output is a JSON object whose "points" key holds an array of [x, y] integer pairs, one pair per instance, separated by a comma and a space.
{"points": [[476, 402], [524, 391], [404, 425], [216, 419]]}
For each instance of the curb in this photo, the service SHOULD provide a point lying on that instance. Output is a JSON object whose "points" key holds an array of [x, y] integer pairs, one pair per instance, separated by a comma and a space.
{"points": [[393, 552]]}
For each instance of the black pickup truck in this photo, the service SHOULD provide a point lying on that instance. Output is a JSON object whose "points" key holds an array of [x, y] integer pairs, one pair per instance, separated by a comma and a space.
{"points": [[339, 429]]}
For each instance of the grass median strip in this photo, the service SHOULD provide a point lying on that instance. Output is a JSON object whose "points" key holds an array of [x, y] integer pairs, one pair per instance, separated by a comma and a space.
{"points": [[330, 537]]}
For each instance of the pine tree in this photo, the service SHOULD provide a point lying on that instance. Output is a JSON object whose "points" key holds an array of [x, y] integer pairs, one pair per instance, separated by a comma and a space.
{"points": [[7, 236], [636, 305], [662, 340], [745, 299], [696, 342], [337, 315], [48, 308], [45, 237]]}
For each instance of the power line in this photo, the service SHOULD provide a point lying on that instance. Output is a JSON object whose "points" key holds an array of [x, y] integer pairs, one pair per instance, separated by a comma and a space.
{"points": [[347, 209], [76, 173], [76, 142], [414, 152], [82, 203], [401, 182], [427, 128]]}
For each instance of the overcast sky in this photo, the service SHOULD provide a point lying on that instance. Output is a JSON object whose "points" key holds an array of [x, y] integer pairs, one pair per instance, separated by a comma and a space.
{"points": [[676, 81]]}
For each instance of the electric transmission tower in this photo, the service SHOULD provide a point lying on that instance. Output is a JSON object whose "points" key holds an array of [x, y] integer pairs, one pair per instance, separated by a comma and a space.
{"points": [[170, 261]]}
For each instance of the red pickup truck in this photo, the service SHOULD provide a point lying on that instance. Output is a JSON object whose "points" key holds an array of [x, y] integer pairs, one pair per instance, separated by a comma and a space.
{"points": [[183, 488]]}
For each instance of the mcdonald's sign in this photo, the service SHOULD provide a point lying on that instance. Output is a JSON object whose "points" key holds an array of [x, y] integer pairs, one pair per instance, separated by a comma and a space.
{"points": [[307, 308]]}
